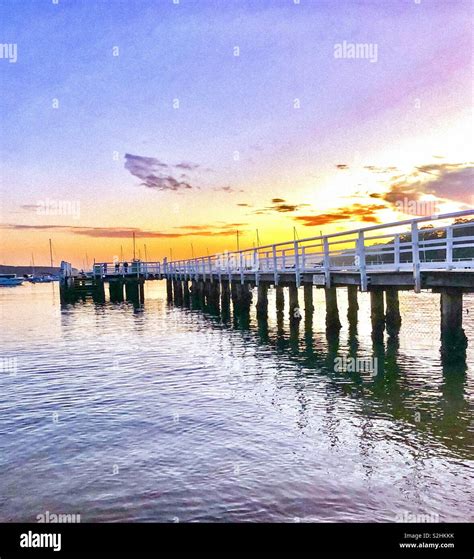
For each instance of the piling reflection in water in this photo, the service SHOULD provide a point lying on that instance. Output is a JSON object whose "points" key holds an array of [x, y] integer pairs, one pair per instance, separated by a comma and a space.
{"points": [[388, 385], [293, 335]]}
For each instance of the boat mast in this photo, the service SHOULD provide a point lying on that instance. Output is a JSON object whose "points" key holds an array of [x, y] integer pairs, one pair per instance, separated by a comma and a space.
{"points": [[51, 253]]}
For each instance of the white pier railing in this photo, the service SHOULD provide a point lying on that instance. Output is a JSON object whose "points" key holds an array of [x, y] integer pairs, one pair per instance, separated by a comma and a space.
{"points": [[128, 269], [416, 245], [440, 242]]}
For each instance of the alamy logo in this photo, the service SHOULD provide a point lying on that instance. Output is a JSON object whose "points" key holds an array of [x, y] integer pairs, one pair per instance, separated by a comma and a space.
{"points": [[59, 207], [9, 51], [406, 516], [32, 539], [9, 365], [367, 51], [52, 518], [346, 364]]}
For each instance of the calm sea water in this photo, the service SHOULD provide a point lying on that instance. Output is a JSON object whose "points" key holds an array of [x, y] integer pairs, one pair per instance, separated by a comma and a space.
{"points": [[166, 414]]}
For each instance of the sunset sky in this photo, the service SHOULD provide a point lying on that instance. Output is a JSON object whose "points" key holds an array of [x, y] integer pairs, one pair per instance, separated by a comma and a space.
{"points": [[188, 121]]}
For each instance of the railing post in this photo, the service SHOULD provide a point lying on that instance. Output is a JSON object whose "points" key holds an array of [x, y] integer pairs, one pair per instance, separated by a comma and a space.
{"points": [[327, 263], [275, 266], [228, 268], [396, 254], [256, 263], [449, 248], [361, 261], [210, 268], [303, 254], [283, 253], [415, 239], [241, 269], [297, 263]]}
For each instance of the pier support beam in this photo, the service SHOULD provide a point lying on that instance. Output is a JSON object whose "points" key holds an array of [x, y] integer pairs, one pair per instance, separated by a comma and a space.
{"points": [[116, 291], [178, 292], [214, 295], [308, 298], [234, 288], [208, 292], [201, 290], [393, 317], [241, 297], [194, 293], [98, 294], [353, 305], [280, 298], [186, 294], [377, 314], [453, 338], [294, 309], [169, 290], [225, 299], [134, 291], [245, 296], [333, 324], [262, 301]]}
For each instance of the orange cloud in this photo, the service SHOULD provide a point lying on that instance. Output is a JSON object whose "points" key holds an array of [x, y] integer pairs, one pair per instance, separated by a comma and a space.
{"points": [[356, 212]]}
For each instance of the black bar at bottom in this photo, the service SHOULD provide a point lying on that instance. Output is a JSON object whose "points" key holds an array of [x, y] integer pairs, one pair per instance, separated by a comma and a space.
{"points": [[293, 540]]}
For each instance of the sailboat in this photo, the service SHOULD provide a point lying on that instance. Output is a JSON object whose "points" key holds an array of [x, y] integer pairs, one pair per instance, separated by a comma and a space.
{"points": [[9, 280], [44, 278]]}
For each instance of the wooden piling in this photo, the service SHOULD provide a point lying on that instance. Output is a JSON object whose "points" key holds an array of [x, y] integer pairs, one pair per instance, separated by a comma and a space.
{"points": [[453, 337], [377, 314], [353, 305], [280, 298], [169, 290], [201, 289], [262, 300], [225, 299], [333, 324], [116, 290], [214, 295], [186, 294], [177, 292], [294, 309], [308, 298], [393, 318], [245, 295], [131, 290], [194, 294]]}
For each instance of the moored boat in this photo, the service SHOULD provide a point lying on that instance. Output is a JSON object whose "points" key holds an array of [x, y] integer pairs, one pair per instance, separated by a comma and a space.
{"points": [[10, 280]]}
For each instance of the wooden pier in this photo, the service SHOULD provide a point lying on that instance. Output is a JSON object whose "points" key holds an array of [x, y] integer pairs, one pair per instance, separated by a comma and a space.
{"points": [[431, 253]]}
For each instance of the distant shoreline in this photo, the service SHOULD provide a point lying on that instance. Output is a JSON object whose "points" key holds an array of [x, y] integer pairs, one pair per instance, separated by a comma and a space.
{"points": [[22, 270]]}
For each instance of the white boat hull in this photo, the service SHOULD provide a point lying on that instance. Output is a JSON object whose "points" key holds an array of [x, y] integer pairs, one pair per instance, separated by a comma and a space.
{"points": [[10, 282]]}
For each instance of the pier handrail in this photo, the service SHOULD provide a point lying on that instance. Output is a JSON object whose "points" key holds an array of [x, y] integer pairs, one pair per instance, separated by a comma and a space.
{"points": [[409, 250], [382, 247]]}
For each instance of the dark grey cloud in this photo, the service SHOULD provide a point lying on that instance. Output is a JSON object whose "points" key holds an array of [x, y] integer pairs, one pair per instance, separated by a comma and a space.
{"points": [[187, 166], [151, 172], [280, 205], [227, 189], [158, 175], [448, 181]]}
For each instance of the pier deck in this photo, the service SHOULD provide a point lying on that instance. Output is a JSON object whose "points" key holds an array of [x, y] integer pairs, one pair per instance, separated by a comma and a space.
{"points": [[435, 253]]}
